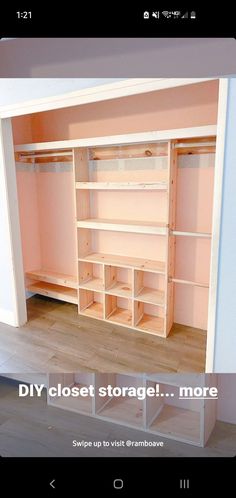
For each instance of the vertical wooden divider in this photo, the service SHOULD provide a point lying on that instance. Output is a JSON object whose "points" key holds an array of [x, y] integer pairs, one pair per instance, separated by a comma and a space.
{"points": [[170, 242], [81, 173]]}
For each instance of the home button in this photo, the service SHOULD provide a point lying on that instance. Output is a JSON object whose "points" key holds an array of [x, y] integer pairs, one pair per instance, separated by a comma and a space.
{"points": [[118, 483]]}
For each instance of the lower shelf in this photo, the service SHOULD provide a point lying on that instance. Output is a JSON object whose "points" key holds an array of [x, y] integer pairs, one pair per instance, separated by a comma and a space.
{"points": [[53, 278], [152, 296], [56, 291], [178, 423], [152, 324], [128, 410], [74, 404], [121, 316], [94, 310]]}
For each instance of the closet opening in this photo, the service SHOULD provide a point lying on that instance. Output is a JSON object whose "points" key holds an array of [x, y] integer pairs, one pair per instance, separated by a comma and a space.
{"points": [[120, 226], [124, 232]]}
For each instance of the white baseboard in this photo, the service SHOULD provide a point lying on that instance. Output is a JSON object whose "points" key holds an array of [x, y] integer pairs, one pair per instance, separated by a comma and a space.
{"points": [[8, 317]]}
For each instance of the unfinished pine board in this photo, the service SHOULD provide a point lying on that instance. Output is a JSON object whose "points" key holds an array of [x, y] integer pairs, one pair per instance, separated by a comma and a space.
{"points": [[120, 289], [94, 283], [94, 310], [121, 185], [151, 324], [126, 261], [131, 226], [189, 282], [133, 150], [53, 278], [56, 291], [121, 316], [78, 404], [123, 410], [178, 423], [152, 296]]}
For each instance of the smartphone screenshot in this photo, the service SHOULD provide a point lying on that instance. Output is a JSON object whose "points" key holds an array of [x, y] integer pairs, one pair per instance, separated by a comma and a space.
{"points": [[117, 254]]}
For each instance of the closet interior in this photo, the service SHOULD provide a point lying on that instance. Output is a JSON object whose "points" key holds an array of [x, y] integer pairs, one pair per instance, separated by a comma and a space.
{"points": [[122, 230]]}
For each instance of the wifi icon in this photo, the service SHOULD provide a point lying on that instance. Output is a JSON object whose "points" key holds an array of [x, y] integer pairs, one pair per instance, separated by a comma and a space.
{"points": [[166, 13]]}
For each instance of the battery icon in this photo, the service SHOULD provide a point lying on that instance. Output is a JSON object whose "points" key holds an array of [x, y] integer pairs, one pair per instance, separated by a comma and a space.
{"points": [[193, 15]]}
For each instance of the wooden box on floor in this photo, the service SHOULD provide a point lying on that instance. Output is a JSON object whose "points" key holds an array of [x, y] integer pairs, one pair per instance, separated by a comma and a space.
{"points": [[186, 420]]}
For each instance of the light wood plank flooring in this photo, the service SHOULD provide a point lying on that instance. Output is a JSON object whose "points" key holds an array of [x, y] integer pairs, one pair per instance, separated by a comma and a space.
{"points": [[30, 428], [57, 339]]}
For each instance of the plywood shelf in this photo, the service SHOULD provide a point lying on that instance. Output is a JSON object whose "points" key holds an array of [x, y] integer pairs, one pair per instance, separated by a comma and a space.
{"points": [[121, 316], [94, 310], [53, 278], [94, 283], [120, 289], [121, 185], [158, 228], [151, 324], [56, 291], [126, 261], [152, 296], [178, 423], [124, 410]]}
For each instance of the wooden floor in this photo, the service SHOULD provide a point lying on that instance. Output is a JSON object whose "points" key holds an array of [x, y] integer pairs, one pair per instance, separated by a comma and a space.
{"points": [[57, 339], [28, 427]]}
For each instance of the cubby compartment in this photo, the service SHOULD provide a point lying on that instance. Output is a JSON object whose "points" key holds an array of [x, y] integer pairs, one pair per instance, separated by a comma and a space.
{"points": [[91, 276], [118, 310], [172, 417], [79, 404], [124, 410], [118, 281], [91, 303], [149, 287], [149, 318]]}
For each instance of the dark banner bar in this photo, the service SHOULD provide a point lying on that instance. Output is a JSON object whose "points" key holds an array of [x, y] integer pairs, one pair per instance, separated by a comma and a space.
{"points": [[118, 477], [73, 19]]}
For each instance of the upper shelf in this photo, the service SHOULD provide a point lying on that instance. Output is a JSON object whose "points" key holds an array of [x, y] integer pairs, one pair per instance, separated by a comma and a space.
{"points": [[126, 261], [158, 228], [153, 136], [121, 185]]}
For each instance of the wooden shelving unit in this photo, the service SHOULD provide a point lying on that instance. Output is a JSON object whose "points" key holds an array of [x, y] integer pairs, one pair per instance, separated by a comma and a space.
{"points": [[186, 420], [127, 224], [132, 289]]}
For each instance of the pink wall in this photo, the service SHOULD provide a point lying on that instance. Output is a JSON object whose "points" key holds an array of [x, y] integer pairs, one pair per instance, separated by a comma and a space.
{"points": [[29, 219], [57, 221], [174, 108]]}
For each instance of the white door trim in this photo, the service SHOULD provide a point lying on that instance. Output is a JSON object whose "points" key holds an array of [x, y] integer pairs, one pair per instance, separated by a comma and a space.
{"points": [[216, 222]]}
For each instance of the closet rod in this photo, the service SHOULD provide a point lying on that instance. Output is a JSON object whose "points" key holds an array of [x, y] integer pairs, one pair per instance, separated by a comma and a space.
{"points": [[190, 234], [187, 145], [49, 154], [188, 282]]}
